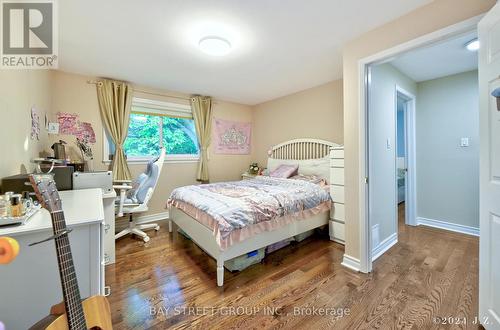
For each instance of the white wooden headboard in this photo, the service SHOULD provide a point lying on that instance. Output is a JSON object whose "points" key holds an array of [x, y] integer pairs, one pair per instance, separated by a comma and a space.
{"points": [[303, 149]]}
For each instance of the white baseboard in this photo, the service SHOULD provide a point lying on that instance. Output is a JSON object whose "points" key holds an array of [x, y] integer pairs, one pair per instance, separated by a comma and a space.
{"points": [[448, 226], [122, 223], [153, 217], [351, 263], [385, 245]]}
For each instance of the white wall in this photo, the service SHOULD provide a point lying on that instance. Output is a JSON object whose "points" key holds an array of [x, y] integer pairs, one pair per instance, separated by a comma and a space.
{"points": [[382, 173], [447, 174]]}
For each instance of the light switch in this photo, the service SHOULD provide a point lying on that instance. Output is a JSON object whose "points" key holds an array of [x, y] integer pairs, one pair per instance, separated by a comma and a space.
{"points": [[388, 144], [464, 142]]}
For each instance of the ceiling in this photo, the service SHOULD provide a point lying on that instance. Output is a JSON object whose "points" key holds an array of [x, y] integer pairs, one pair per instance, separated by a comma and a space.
{"points": [[438, 60], [278, 49]]}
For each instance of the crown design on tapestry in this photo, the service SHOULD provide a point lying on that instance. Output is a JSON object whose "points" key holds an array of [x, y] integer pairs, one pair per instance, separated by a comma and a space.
{"points": [[233, 136]]}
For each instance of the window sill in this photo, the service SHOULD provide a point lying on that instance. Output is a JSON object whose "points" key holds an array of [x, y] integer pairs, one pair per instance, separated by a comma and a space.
{"points": [[169, 160]]}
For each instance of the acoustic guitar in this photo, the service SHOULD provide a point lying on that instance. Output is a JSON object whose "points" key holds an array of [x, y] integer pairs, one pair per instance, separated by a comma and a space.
{"points": [[73, 313]]}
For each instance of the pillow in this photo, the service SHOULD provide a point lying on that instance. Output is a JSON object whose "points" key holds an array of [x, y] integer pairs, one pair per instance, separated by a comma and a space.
{"points": [[284, 171], [273, 163], [319, 166]]}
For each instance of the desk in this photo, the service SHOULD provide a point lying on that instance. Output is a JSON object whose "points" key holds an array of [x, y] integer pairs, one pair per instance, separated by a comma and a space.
{"points": [[30, 285]]}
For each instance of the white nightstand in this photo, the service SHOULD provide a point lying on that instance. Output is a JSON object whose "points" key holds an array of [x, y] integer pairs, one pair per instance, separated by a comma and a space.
{"points": [[246, 176]]}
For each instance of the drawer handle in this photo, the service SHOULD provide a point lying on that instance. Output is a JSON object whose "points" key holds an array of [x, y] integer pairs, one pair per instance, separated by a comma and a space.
{"points": [[107, 291]]}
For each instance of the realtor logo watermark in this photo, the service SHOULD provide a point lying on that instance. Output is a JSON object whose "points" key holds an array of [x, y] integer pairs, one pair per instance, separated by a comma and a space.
{"points": [[29, 34]]}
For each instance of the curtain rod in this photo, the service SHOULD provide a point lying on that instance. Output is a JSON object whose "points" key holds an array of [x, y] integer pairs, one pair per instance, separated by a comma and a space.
{"points": [[96, 82]]}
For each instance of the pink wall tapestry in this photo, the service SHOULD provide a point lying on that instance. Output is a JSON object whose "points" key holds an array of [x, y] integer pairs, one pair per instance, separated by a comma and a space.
{"points": [[232, 138], [70, 124]]}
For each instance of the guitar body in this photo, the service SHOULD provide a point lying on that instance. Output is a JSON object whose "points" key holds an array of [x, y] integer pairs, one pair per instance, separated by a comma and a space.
{"points": [[96, 310]]}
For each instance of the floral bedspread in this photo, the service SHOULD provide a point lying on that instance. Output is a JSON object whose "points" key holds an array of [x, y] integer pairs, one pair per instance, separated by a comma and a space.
{"points": [[236, 205]]}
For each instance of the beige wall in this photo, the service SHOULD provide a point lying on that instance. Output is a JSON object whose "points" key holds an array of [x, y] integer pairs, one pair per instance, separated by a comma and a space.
{"points": [[312, 113], [57, 91], [424, 20], [448, 186], [20, 90], [72, 93]]}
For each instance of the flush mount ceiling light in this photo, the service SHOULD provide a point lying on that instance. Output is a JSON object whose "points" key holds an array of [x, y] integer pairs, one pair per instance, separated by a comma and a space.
{"points": [[472, 45], [214, 46]]}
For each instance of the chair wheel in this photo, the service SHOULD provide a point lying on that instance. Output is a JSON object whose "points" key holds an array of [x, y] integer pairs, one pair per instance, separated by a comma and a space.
{"points": [[157, 228], [146, 239]]}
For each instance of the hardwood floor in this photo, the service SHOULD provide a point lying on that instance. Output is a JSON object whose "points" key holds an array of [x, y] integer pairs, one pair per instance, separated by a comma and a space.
{"points": [[429, 273]]}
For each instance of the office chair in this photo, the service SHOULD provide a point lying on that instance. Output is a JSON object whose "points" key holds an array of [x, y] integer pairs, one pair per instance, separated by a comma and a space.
{"points": [[134, 197]]}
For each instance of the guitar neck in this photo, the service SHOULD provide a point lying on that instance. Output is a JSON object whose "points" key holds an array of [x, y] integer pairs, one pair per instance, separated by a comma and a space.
{"points": [[69, 283]]}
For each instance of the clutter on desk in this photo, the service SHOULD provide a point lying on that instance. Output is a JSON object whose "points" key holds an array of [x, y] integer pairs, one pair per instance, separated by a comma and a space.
{"points": [[86, 151], [59, 150], [16, 208]]}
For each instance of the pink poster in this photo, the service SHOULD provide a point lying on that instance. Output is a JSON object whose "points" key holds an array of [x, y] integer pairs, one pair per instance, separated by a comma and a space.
{"points": [[231, 137], [85, 132], [68, 123]]}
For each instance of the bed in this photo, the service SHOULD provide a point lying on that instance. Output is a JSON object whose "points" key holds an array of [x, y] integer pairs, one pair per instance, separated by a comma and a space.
{"points": [[223, 239]]}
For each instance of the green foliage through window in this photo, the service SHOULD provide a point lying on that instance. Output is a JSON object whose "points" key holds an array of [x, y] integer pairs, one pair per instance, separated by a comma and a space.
{"points": [[146, 134]]}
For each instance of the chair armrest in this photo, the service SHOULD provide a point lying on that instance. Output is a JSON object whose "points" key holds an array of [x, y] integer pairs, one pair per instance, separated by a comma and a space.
{"points": [[123, 191]]}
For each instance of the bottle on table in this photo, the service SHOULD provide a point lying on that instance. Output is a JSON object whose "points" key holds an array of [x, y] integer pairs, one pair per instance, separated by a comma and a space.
{"points": [[16, 208]]}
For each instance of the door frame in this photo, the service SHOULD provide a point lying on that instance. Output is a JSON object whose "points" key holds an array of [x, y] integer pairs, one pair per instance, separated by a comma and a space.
{"points": [[410, 141], [364, 64]]}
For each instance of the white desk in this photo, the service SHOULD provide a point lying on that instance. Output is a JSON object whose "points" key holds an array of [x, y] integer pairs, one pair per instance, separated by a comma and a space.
{"points": [[30, 285]]}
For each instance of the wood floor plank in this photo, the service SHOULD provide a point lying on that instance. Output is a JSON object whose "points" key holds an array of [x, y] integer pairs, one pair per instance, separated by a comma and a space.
{"points": [[169, 283]]}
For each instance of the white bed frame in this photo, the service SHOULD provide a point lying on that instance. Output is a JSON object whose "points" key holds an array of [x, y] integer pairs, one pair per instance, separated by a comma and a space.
{"points": [[299, 149]]}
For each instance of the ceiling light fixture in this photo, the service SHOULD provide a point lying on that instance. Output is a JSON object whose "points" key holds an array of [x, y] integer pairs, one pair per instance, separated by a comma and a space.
{"points": [[215, 46], [472, 45]]}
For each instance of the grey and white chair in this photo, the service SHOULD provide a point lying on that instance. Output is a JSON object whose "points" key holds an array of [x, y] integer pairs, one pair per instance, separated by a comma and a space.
{"points": [[134, 197]]}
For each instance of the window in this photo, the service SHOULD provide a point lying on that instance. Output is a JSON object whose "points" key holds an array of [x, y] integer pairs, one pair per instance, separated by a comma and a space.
{"points": [[154, 124]]}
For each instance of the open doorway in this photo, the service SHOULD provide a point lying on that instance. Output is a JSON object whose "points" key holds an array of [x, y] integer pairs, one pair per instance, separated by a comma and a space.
{"points": [[406, 195], [423, 135], [402, 105]]}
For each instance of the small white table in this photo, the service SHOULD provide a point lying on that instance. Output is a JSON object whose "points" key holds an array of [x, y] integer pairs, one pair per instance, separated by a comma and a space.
{"points": [[30, 285]]}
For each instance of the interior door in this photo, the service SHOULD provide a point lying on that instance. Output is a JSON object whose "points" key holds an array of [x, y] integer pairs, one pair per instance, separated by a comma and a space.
{"points": [[489, 254]]}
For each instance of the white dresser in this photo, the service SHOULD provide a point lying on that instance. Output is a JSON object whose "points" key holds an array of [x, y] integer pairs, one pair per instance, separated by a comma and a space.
{"points": [[30, 285], [337, 214]]}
